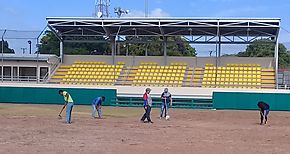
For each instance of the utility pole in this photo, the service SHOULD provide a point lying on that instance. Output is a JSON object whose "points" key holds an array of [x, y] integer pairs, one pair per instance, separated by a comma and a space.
{"points": [[146, 8]]}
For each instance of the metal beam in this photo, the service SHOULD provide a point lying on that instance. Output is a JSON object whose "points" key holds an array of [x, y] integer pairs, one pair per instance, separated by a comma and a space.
{"points": [[54, 32], [276, 55], [2, 51], [61, 51]]}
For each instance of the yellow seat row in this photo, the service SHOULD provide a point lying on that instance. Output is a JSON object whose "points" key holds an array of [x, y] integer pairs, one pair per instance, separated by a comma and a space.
{"points": [[161, 71], [90, 77], [90, 80], [93, 72], [162, 67], [97, 66], [232, 76], [159, 74], [231, 72], [234, 68], [230, 79], [159, 78]]}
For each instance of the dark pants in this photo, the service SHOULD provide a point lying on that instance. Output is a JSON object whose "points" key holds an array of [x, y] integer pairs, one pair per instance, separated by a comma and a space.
{"points": [[147, 114], [262, 114]]}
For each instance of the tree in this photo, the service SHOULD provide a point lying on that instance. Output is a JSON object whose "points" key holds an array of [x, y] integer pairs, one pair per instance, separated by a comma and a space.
{"points": [[155, 47], [50, 45], [6, 48], [266, 48]]}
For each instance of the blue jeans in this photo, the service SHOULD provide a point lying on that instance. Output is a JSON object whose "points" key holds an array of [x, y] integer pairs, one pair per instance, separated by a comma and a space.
{"points": [[94, 111], [69, 108], [164, 109], [266, 113]]}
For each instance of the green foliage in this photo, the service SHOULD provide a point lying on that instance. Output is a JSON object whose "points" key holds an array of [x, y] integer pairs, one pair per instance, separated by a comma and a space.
{"points": [[155, 47], [6, 48], [50, 45], [266, 48]]}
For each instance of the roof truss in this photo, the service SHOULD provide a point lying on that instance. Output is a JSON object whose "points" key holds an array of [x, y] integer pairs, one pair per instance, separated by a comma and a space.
{"points": [[203, 31]]}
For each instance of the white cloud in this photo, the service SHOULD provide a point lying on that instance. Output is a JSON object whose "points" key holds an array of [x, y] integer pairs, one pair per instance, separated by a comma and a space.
{"points": [[157, 12], [134, 13]]}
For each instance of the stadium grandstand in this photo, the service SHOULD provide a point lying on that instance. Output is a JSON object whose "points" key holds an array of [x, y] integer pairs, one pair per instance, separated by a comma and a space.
{"points": [[168, 71]]}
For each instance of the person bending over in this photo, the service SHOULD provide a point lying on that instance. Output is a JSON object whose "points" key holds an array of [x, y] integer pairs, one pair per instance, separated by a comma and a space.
{"points": [[69, 103], [264, 111], [97, 106]]}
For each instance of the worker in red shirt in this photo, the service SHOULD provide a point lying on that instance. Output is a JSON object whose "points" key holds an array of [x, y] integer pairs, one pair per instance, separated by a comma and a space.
{"points": [[147, 106]]}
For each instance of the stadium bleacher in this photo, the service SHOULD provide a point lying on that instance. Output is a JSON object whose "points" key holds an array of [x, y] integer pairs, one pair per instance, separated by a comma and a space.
{"points": [[232, 76], [92, 73], [150, 74], [251, 76]]}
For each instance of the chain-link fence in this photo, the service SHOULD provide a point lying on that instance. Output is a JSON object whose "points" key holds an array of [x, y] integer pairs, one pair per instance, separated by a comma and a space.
{"points": [[23, 46], [22, 43]]}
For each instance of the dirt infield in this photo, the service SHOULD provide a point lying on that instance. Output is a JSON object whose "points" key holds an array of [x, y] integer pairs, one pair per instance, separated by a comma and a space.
{"points": [[36, 129]]}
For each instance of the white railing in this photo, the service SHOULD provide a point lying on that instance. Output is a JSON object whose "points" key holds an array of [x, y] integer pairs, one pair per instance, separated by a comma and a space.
{"points": [[20, 78], [53, 69]]}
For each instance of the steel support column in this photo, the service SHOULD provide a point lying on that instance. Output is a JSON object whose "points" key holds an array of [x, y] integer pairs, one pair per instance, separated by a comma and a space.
{"points": [[61, 51], [165, 50], [113, 45], [2, 50], [276, 60]]}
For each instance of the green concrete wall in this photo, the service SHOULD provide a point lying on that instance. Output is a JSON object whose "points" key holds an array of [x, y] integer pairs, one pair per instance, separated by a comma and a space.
{"points": [[33, 95], [248, 101]]}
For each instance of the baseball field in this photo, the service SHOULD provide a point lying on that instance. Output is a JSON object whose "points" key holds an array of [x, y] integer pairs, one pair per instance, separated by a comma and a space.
{"points": [[37, 129]]}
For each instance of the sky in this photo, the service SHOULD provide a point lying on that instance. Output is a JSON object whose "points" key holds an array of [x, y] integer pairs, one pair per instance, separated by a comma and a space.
{"points": [[30, 15]]}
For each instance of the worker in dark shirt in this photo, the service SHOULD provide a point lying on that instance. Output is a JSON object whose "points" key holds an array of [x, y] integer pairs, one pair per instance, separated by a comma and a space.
{"points": [[264, 111], [165, 98]]}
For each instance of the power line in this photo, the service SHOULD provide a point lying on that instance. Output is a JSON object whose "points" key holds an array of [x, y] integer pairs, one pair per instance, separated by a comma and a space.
{"points": [[285, 30], [12, 30]]}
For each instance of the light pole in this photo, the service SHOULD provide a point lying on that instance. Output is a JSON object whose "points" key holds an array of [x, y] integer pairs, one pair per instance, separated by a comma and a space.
{"points": [[29, 42], [146, 8], [2, 71]]}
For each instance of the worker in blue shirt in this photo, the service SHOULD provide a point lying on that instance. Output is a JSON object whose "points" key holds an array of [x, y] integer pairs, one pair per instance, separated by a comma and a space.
{"points": [[97, 106]]}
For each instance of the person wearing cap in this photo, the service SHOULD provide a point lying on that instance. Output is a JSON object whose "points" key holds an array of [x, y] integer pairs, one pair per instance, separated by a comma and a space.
{"points": [[165, 98], [147, 106]]}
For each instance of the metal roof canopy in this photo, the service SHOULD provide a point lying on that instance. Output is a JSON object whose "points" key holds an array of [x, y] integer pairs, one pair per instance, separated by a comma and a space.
{"points": [[194, 30]]}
